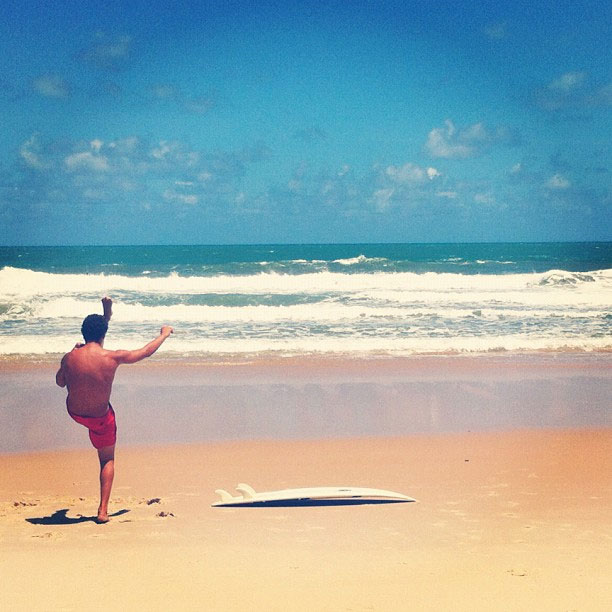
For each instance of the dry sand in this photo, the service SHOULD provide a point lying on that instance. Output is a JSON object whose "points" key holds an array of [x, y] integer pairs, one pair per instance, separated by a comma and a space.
{"points": [[513, 519]]}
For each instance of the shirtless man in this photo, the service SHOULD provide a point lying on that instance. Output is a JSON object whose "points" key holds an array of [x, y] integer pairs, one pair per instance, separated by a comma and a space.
{"points": [[88, 371]]}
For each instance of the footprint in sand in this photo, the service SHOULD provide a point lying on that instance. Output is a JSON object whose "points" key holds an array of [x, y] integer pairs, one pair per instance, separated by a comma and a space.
{"points": [[48, 535]]}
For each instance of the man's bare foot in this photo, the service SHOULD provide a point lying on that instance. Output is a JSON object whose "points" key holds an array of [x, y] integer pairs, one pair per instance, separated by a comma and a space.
{"points": [[102, 517]]}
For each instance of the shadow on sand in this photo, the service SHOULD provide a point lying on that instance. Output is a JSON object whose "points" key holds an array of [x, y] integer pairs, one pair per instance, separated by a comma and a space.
{"points": [[59, 518]]}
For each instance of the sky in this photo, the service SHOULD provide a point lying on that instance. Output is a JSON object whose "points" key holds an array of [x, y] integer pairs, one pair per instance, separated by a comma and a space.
{"points": [[303, 122]]}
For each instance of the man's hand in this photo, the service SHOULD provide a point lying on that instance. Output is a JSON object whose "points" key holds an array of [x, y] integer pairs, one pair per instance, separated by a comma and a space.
{"points": [[166, 330], [107, 307]]}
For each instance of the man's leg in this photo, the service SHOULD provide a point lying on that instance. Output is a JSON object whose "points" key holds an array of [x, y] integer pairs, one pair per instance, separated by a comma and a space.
{"points": [[107, 473]]}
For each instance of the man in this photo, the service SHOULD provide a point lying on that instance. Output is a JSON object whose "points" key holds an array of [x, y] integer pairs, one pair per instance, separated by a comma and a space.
{"points": [[88, 372]]}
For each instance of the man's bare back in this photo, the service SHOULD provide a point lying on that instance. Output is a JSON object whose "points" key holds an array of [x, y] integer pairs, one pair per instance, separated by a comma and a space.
{"points": [[88, 372]]}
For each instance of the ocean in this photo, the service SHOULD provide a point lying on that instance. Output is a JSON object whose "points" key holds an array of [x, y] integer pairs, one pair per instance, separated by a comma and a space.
{"points": [[254, 301]]}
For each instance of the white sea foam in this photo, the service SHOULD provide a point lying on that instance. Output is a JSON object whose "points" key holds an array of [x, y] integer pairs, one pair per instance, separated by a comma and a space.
{"points": [[18, 282], [325, 311], [177, 344], [491, 261], [318, 311], [351, 261]]}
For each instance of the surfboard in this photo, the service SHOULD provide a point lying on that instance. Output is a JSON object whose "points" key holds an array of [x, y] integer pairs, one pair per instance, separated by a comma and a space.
{"points": [[247, 496]]}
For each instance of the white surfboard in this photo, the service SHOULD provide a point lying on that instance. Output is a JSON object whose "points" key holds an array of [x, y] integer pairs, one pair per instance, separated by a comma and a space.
{"points": [[247, 496]]}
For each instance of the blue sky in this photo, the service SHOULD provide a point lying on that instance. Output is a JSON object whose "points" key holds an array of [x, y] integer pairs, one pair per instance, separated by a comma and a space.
{"points": [[250, 122]]}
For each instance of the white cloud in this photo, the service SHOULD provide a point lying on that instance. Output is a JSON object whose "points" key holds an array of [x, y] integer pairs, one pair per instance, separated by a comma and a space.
{"points": [[108, 51], [125, 146], [162, 150], [31, 155], [410, 173], [126, 184], [441, 142], [573, 90], [451, 195], [558, 181], [495, 31], [86, 161], [51, 86], [475, 133], [164, 91], [128, 171], [199, 105], [568, 81], [452, 143], [517, 168], [94, 194], [117, 47], [601, 96], [484, 198], [173, 196], [327, 187], [381, 198]]}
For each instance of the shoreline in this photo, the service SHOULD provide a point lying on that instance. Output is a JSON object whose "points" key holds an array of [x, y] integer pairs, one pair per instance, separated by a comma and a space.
{"points": [[163, 358], [159, 402]]}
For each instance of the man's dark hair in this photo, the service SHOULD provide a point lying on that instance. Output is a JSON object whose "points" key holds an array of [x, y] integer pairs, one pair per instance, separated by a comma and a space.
{"points": [[94, 328]]}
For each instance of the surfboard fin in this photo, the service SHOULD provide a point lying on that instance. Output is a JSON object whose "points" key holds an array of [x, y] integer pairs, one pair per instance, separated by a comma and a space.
{"points": [[247, 491], [225, 496]]}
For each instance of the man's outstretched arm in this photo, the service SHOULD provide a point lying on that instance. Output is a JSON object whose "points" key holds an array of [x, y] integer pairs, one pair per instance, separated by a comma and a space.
{"points": [[145, 351]]}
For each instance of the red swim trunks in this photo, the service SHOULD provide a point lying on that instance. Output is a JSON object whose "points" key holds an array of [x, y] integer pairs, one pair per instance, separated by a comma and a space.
{"points": [[102, 430]]}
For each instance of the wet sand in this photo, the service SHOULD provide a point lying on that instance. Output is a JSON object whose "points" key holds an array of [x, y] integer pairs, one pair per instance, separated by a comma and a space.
{"points": [[162, 402], [510, 459]]}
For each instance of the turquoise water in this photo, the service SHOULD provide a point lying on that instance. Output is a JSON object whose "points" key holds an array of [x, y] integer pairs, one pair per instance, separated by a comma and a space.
{"points": [[495, 258], [353, 299]]}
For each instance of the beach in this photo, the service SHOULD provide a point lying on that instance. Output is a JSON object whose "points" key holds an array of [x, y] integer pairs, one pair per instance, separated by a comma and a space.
{"points": [[507, 455], [338, 275]]}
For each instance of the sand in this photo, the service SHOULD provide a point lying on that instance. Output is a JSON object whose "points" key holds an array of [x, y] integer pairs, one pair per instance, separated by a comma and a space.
{"points": [[513, 512]]}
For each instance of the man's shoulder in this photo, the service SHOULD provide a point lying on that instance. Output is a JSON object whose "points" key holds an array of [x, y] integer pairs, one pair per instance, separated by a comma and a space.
{"points": [[69, 355], [105, 360], [115, 355]]}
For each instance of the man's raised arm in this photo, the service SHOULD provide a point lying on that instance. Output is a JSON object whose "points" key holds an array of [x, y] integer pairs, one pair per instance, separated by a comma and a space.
{"points": [[145, 351], [107, 307]]}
